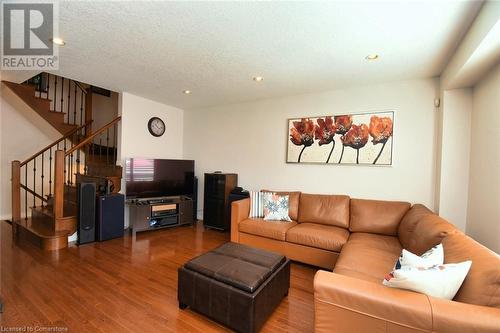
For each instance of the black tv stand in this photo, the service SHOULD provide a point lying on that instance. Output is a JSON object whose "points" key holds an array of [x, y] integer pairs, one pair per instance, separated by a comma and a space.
{"points": [[157, 213]]}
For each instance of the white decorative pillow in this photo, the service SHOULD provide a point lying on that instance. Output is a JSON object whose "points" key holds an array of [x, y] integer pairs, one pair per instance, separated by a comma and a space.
{"points": [[256, 204], [276, 207], [434, 256], [441, 281]]}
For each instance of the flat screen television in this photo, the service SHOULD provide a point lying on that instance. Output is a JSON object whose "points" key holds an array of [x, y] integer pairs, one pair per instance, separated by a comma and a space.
{"points": [[151, 178]]}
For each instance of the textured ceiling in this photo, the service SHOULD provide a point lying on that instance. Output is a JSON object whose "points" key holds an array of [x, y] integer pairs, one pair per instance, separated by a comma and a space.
{"points": [[158, 49]]}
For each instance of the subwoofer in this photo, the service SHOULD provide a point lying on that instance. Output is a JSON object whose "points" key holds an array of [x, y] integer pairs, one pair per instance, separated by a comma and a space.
{"points": [[110, 216], [86, 212]]}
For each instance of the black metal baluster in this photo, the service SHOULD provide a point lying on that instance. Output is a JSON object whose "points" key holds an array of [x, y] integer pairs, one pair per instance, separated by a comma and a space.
{"points": [[62, 94], [48, 85], [55, 93], [69, 97], [43, 153], [50, 171], [114, 144], [65, 173], [100, 147], [39, 85], [107, 146], [78, 161], [81, 106], [34, 181], [26, 192], [74, 109]]}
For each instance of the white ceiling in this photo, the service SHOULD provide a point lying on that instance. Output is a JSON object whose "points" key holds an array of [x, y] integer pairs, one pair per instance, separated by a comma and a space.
{"points": [[158, 49]]}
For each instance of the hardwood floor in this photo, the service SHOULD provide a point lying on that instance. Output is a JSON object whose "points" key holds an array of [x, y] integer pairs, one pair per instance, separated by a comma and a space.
{"points": [[124, 285]]}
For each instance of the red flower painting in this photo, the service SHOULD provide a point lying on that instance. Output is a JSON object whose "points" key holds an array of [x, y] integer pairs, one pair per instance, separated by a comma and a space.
{"points": [[366, 133], [356, 138], [380, 130], [302, 134], [324, 132]]}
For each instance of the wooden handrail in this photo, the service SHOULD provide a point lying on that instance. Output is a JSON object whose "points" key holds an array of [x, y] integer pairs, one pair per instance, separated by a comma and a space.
{"points": [[33, 193], [80, 86], [91, 137], [55, 143]]}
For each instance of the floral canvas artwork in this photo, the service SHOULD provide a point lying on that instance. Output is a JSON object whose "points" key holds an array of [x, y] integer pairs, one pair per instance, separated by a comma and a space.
{"points": [[364, 138]]}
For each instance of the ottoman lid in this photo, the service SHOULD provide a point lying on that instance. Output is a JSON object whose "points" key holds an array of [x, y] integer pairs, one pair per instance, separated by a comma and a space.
{"points": [[237, 265]]}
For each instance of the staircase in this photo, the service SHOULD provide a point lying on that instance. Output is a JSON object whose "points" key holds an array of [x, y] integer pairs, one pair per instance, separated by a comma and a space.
{"points": [[44, 186]]}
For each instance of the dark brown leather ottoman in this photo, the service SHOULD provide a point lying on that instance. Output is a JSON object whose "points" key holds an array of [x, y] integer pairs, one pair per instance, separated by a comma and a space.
{"points": [[236, 285]]}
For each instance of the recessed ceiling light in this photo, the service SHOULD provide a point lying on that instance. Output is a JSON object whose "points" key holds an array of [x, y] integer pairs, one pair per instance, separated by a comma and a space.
{"points": [[187, 92], [372, 57], [258, 78], [58, 41]]}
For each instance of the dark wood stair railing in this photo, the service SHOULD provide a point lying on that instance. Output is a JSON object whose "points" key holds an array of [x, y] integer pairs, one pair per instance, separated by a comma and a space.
{"points": [[64, 160], [39, 183]]}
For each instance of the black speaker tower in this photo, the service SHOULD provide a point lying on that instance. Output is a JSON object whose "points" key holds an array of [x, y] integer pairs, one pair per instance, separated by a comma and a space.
{"points": [[195, 199], [86, 196]]}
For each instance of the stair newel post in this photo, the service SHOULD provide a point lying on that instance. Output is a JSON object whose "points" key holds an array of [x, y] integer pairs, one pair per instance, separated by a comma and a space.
{"points": [[59, 184], [16, 195]]}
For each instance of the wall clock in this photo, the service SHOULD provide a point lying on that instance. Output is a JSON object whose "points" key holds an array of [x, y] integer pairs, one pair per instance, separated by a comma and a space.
{"points": [[156, 126]]}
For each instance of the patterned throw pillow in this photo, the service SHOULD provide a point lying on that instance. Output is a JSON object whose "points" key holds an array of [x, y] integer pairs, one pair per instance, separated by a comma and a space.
{"points": [[276, 207], [441, 281], [434, 256], [256, 204]]}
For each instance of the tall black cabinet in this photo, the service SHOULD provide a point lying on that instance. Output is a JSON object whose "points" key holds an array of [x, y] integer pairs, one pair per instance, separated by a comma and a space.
{"points": [[216, 209]]}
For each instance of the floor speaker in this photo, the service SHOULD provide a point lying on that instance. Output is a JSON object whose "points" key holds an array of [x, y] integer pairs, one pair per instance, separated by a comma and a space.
{"points": [[86, 212], [195, 199], [110, 218]]}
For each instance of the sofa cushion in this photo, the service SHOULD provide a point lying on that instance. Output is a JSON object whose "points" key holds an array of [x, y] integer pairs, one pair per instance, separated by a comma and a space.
{"points": [[376, 216], [408, 224], [421, 229], [368, 256], [293, 203], [324, 209], [482, 284], [269, 229], [318, 235]]}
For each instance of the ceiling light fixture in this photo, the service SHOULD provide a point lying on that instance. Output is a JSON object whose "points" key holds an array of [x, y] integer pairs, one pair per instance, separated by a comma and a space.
{"points": [[187, 92], [371, 57], [58, 41], [258, 78]]}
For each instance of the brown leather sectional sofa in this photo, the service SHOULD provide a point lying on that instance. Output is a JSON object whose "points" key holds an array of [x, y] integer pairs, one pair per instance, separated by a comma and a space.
{"points": [[360, 240]]}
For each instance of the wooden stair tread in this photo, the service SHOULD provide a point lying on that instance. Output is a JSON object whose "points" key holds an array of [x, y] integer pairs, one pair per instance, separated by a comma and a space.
{"points": [[41, 230], [69, 211]]}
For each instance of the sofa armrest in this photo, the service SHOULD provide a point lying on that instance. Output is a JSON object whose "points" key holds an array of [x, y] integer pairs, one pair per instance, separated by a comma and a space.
{"points": [[452, 317], [239, 212], [346, 304]]}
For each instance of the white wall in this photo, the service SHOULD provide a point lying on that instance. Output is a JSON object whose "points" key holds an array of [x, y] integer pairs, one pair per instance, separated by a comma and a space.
{"points": [[23, 132], [483, 219], [251, 138], [134, 139], [104, 110], [455, 150]]}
